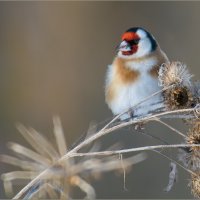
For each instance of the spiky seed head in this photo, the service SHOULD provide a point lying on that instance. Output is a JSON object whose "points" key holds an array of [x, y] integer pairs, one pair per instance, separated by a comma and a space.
{"points": [[189, 158], [195, 185], [174, 72], [178, 97], [194, 136], [194, 161]]}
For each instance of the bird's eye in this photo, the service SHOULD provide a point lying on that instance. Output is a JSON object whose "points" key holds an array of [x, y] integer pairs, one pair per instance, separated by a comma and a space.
{"points": [[134, 42]]}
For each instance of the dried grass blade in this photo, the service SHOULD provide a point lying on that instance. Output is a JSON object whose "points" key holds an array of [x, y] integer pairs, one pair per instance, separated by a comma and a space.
{"points": [[45, 144], [27, 165], [29, 153], [18, 175], [59, 135], [116, 164], [50, 191], [8, 187], [33, 141], [170, 127]]}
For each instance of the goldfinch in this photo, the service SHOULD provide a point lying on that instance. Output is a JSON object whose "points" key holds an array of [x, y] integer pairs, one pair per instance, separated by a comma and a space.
{"points": [[133, 75]]}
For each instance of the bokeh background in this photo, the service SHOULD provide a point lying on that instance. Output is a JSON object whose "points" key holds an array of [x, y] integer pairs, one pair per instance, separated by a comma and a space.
{"points": [[53, 58]]}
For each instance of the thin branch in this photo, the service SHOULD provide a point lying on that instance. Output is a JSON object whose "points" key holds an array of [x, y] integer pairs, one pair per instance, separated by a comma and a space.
{"points": [[99, 134], [104, 131], [172, 160], [145, 148], [170, 127]]}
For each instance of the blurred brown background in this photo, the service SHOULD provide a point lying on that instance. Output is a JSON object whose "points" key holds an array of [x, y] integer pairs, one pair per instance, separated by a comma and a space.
{"points": [[53, 58]]}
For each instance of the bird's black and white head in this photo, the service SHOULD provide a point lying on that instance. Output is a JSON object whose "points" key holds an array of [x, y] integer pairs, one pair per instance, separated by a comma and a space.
{"points": [[136, 43]]}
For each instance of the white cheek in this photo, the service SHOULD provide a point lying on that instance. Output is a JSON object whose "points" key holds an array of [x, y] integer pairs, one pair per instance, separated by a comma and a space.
{"points": [[144, 47], [121, 55], [141, 33]]}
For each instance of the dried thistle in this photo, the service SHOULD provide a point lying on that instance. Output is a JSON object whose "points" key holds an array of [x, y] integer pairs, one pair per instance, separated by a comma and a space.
{"points": [[174, 73], [178, 97], [181, 95], [195, 185], [190, 159], [194, 135], [191, 156]]}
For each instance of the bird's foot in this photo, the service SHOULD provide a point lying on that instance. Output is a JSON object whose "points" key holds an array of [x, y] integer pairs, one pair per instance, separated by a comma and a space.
{"points": [[139, 126]]}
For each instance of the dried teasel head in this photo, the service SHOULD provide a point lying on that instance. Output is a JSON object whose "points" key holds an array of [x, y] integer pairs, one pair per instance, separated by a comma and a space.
{"points": [[195, 185], [194, 136], [189, 158], [180, 94], [178, 97], [194, 161], [174, 73]]}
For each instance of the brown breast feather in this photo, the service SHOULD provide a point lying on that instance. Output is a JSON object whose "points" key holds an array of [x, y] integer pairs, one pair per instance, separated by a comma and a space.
{"points": [[123, 75]]}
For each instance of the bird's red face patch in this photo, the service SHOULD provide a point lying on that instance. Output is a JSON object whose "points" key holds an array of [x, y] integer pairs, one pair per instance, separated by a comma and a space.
{"points": [[132, 51], [130, 36]]}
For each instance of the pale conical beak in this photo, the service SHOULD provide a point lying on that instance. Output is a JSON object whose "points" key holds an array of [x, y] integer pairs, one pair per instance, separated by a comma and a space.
{"points": [[124, 46]]}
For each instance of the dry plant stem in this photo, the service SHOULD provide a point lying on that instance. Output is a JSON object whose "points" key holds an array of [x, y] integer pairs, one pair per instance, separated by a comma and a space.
{"points": [[26, 152], [91, 139], [124, 171], [145, 148], [188, 170], [105, 153], [62, 147], [19, 175], [170, 127], [26, 165], [104, 131], [101, 133]]}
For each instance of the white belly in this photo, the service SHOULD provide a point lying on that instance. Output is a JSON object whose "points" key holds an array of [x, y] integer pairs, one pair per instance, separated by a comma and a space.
{"points": [[130, 95]]}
